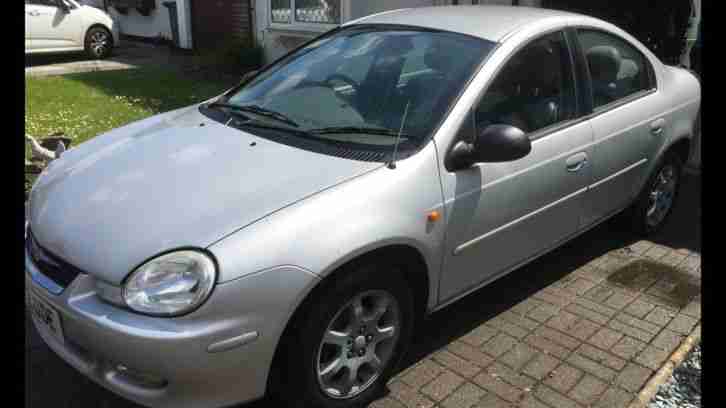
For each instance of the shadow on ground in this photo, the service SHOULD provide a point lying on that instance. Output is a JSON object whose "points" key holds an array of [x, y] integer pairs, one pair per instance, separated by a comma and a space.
{"points": [[50, 382]]}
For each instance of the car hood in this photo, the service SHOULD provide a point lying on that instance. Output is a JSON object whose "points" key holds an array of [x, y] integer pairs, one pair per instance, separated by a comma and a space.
{"points": [[175, 180]]}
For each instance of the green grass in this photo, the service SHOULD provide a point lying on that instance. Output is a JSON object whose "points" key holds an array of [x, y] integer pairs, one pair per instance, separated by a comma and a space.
{"points": [[84, 105]]}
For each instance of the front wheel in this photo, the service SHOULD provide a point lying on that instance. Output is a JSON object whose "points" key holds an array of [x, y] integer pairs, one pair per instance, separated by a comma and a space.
{"points": [[99, 43], [655, 203], [350, 340]]}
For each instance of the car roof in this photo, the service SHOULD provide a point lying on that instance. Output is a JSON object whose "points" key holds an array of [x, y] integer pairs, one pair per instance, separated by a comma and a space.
{"points": [[489, 22]]}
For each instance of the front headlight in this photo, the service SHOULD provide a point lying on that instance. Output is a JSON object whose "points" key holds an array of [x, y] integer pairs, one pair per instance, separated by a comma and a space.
{"points": [[172, 284]]}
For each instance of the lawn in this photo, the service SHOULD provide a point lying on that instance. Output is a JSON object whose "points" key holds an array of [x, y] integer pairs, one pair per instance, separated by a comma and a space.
{"points": [[84, 105]]}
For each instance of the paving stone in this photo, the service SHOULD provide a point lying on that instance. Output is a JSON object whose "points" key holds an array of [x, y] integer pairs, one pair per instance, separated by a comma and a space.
{"points": [[656, 252], [469, 353], [500, 344], [693, 309], [543, 312], [660, 316], [408, 396], [668, 340], [693, 262], [641, 247], [529, 402], [518, 356], [492, 401], [555, 296], [386, 402], [631, 331], [524, 307], [595, 307], [588, 390], [673, 258], [587, 313], [547, 345], [580, 286], [554, 398], [583, 329], [602, 357], [619, 299], [540, 366], [456, 363], [599, 293], [592, 367], [563, 378], [592, 273], [562, 339], [479, 336], [511, 377], [442, 386], [422, 373], [605, 338], [628, 348], [465, 396], [652, 357], [639, 308], [682, 324], [494, 384], [563, 321], [633, 377], [639, 323], [614, 397], [661, 301], [508, 328], [519, 320]]}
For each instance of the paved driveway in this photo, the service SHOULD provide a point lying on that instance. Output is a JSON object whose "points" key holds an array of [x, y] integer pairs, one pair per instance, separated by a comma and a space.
{"points": [[581, 326]]}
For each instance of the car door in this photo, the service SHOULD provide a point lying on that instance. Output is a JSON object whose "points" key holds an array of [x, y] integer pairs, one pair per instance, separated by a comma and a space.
{"points": [[52, 27], [625, 120], [503, 214], [28, 35]]}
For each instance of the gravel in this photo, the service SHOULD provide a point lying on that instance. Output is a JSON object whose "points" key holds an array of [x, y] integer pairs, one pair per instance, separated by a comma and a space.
{"points": [[683, 389]]}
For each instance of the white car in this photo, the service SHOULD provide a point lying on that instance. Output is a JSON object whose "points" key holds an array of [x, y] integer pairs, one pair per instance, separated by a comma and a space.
{"points": [[67, 26]]}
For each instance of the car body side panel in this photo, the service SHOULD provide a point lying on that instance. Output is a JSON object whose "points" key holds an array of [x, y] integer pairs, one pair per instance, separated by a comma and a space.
{"points": [[377, 209]]}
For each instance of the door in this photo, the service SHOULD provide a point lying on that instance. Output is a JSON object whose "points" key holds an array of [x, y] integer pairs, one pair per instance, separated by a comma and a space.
{"points": [[502, 214], [51, 26], [28, 35], [625, 121]]}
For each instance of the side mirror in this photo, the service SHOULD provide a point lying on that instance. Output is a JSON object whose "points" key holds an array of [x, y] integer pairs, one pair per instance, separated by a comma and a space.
{"points": [[64, 7], [495, 144]]}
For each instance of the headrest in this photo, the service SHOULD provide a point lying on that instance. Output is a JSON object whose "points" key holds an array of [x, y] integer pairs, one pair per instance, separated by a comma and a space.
{"points": [[604, 62]]}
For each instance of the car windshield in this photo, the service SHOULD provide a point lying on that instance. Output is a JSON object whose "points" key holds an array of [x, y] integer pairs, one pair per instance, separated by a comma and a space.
{"points": [[359, 88]]}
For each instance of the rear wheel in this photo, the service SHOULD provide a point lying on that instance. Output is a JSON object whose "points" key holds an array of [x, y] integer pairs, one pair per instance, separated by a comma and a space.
{"points": [[99, 43], [349, 341], [655, 203]]}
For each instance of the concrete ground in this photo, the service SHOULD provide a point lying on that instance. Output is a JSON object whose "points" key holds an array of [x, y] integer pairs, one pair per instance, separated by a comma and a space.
{"points": [[582, 326], [129, 55]]}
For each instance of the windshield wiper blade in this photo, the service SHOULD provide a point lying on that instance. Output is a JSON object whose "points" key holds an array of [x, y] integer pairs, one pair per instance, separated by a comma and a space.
{"points": [[357, 129], [259, 110]]}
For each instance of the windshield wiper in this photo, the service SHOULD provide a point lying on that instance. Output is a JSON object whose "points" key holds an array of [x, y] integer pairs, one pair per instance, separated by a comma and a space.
{"points": [[357, 129], [256, 109]]}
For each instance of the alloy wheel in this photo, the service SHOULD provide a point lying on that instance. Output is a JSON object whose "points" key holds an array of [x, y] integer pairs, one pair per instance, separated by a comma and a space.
{"points": [[662, 195]]}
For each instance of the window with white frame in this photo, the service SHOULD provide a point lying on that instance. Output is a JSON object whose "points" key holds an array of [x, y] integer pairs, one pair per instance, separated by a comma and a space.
{"points": [[305, 11]]}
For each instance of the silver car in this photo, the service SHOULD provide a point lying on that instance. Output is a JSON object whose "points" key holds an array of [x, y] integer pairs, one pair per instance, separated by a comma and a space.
{"points": [[286, 237]]}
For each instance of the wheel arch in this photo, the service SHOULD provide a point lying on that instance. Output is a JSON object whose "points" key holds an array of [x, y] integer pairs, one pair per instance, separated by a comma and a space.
{"points": [[412, 265], [98, 25]]}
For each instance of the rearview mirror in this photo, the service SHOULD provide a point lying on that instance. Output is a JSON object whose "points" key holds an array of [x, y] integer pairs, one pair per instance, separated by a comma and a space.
{"points": [[494, 144]]}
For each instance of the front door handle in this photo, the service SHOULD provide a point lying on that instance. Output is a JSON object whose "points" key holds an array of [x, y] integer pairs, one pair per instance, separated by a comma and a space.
{"points": [[656, 127], [576, 162], [34, 13]]}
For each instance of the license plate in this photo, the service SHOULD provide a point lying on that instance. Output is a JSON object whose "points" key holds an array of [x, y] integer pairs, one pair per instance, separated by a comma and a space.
{"points": [[44, 316]]}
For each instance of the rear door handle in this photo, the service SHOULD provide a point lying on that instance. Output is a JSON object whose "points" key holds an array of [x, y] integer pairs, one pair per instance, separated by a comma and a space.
{"points": [[576, 162], [656, 127]]}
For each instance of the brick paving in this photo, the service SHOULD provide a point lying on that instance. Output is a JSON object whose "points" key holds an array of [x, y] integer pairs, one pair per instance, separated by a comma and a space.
{"points": [[557, 333]]}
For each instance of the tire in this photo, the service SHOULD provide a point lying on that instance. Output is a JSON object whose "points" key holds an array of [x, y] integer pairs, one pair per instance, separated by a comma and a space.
{"points": [[306, 353], [645, 222], [98, 43]]}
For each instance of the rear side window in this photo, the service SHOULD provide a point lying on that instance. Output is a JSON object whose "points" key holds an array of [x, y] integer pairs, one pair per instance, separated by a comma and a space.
{"points": [[617, 69]]}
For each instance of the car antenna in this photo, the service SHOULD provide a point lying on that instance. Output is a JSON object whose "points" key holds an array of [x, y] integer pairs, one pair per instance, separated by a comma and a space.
{"points": [[392, 163]]}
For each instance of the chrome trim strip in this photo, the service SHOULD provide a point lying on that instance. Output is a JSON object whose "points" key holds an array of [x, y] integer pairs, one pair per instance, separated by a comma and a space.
{"points": [[625, 170], [470, 243], [39, 278]]}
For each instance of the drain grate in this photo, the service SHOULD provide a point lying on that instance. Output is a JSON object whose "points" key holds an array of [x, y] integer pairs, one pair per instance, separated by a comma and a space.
{"points": [[666, 282]]}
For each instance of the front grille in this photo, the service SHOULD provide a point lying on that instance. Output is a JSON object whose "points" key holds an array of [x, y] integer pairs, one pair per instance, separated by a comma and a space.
{"points": [[50, 265]]}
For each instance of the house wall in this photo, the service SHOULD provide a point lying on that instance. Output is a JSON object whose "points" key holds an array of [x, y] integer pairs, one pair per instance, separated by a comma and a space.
{"points": [[217, 22], [156, 23], [277, 41]]}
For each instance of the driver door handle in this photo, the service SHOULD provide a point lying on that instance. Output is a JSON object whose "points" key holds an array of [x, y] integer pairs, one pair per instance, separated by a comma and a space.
{"points": [[576, 162], [33, 13]]}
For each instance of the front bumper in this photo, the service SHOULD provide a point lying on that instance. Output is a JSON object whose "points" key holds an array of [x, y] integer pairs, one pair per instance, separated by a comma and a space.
{"points": [[112, 346]]}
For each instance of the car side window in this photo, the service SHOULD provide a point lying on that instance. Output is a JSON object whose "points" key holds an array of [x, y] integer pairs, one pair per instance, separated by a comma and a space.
{"points": [[51, 3], [617, 69], [534, 90]]}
